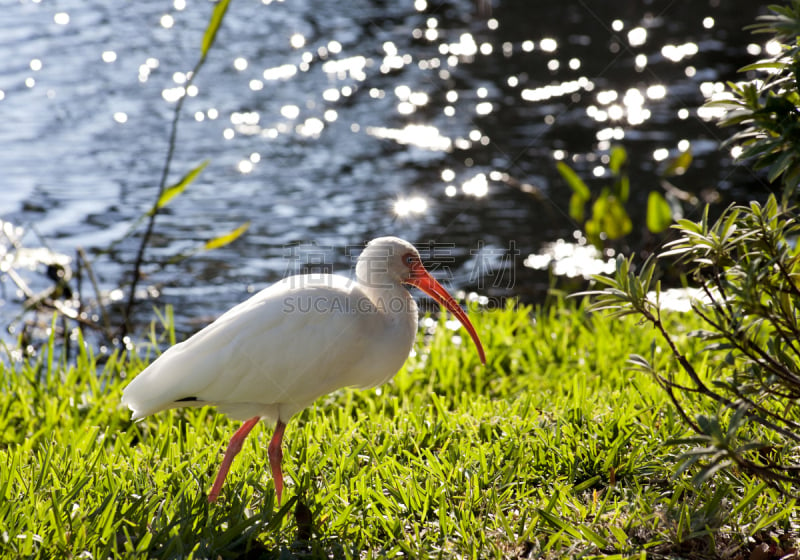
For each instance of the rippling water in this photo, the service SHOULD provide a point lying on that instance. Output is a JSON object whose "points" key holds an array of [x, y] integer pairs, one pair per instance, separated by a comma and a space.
{"points": [[327, 124]]}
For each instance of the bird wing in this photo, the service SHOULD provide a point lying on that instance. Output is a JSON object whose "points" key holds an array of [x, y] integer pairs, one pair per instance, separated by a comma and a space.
{"points": [[271, 355]]}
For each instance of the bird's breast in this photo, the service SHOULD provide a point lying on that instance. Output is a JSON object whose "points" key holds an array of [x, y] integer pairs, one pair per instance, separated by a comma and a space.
{"points": [[391, 327]]}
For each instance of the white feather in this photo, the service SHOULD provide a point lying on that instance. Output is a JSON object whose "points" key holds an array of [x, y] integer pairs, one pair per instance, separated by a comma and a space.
{"points": [[277, 352]]}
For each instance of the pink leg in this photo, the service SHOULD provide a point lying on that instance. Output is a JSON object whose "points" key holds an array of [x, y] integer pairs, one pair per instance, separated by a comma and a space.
{"points": [[275, 458], [233, 448]]}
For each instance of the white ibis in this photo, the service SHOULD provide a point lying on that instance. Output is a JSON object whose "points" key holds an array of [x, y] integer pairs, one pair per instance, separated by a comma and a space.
{"points": [[293, 342]]}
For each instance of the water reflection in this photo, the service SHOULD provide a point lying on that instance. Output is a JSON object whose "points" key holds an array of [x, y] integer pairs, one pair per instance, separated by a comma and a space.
{"points": [[406, 207], [573, 260], [374, 111], [421, 136]]}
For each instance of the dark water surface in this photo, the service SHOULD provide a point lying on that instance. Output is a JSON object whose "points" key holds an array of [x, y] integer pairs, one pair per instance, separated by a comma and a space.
{"points": [[329, 123]]}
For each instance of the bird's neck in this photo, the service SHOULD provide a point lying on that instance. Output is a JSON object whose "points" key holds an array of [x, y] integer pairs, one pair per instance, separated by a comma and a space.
{"points": [[392, 299]]}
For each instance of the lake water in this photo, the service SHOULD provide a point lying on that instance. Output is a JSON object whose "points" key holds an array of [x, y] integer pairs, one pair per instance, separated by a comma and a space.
{"points": [[327, 124]]}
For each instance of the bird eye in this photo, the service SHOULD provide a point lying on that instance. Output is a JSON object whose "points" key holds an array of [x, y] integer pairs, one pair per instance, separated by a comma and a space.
{"points": [[409, 259]]}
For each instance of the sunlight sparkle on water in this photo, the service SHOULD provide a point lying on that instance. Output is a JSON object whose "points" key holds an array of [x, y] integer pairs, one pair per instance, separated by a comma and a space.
{"points": [[167, 21], [405, 108], [414, 205], [418, 98], [297, 41], [676, 53], [570, 259], [331, 95], [548, 91], [465, 47], [171, 95], [352, 66], [713, 91], [615, 112], [282, 72], [610, 133], [290, 111], [657, 91], [773, 48], [61, 18], [422, 136], [393, 60], [477, 186], [607, 96], [634, 106], [247, 117], [753, 49], [548, 44], [312, 127], [637, 36], [483, 108]]}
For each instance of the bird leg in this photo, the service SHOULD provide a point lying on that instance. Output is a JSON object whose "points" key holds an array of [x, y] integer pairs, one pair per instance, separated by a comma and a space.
{"points": [[234, 447], [276, 457]]}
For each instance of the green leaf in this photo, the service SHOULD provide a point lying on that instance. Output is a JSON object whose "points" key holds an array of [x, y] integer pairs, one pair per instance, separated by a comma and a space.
{"points": [[659, 214], [558, 524], [176, 189], [575, 183], [213, 26], [622, 187], [610, 217], [678, 165], [618, 158], [576, 207], [592, 229], [227, 238]]}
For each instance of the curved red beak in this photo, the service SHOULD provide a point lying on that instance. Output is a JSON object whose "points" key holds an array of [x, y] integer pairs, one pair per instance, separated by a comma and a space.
{"points": [[422, 279]]}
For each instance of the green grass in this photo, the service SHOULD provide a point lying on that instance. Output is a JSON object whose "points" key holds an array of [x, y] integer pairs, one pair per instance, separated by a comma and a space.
{"points": [[554, 449]]}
